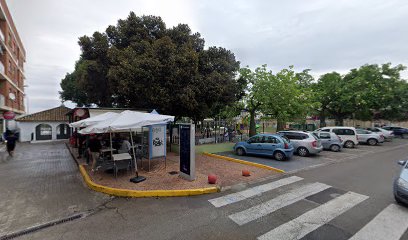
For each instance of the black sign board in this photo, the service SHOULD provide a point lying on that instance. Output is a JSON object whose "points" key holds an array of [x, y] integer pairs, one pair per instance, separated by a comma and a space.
{"points": [[185, 149]]}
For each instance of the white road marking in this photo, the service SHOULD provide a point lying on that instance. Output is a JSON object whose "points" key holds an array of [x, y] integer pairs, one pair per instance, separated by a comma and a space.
{"points": [[279, 202], [315, 218], [239, 196], [389, 224]]}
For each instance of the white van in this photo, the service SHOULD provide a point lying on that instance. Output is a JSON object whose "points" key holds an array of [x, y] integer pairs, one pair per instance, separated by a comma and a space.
{"points": [[348, 135]]}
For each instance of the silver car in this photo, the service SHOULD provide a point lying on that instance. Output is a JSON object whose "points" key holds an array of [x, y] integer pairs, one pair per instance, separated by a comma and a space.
{"points": [[304, 143], [388, 135], [365, 136], [330, 141], [401, 184]]}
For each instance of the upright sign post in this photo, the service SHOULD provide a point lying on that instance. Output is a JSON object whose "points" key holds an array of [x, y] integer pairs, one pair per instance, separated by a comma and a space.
{"points": [[187, 151], [157, 142]]}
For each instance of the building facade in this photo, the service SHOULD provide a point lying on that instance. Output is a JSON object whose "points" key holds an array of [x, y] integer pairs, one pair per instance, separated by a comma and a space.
{"points": [[12, 59], [47, 125]]}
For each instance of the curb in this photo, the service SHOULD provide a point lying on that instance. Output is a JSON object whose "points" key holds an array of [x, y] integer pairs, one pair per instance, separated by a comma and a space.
{"points": [[244, 162], [145, 193]]}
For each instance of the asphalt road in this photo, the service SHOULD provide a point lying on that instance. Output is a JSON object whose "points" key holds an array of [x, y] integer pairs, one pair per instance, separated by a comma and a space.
{"points": [[348, 196]]}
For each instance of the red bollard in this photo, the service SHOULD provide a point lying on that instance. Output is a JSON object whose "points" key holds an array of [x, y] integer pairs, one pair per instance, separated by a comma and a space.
{"points": [[246, 173], [212, 179]]}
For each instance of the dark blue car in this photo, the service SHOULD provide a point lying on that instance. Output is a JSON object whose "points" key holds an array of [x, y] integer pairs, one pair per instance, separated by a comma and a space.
{"points": [[266, 145], [398, 131]]}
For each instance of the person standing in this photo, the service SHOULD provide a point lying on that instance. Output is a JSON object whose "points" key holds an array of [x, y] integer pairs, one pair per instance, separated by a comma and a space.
{"points": [[94, 148], [11, 143]]}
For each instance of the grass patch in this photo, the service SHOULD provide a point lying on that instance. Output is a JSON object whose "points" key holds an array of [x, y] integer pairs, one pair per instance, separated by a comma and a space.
{"points": [[210, 148], [214, 148]]}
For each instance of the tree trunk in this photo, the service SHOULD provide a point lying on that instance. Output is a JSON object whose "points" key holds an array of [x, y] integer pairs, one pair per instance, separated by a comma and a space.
{"points": [[339, 121], [252, 127], [280, 125], [322, 118]]}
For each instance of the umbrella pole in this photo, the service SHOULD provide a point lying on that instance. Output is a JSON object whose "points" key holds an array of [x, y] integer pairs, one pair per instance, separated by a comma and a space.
{"points": [[133, 151], [110, 137], [138, 178]]}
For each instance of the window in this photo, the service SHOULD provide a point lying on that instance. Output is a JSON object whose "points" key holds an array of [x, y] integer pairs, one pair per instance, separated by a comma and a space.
{"points": [[255, 139], [273, 140], [45, 129], [326, 130], [325, 135], [303, 136], [343, 131], [294, 136]]}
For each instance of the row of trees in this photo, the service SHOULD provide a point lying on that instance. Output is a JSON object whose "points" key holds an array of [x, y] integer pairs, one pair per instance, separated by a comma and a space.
{"points": [[139, 63], [366, 93]]}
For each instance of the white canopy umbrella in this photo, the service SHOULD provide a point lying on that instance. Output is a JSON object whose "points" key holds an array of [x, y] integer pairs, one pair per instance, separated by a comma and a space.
{"points": [[93, 120], [127, 120]]}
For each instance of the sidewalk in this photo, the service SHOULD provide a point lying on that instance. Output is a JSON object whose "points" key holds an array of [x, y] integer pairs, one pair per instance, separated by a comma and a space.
{"points": [[41, 183]]}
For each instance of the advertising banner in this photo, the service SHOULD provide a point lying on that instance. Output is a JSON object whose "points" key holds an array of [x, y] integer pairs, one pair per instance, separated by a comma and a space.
{"points": [[157, 141]]}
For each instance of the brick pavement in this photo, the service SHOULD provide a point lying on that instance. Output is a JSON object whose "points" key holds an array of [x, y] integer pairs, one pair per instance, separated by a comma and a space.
{"points": [[41, 183]]}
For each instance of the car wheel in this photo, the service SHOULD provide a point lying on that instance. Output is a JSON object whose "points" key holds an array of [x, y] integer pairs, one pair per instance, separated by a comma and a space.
{"points": [[404, 135], [240, 151], [372, 142], [303, 152], [335, 148], [349, 144], [279, 156]]}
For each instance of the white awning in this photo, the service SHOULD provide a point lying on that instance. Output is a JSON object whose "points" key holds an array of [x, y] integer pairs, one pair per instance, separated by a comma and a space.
{"points": [[93, 120], [127, 120]]}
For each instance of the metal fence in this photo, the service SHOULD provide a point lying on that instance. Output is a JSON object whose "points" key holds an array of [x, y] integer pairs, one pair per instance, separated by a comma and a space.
{"points": [[209, 132]]}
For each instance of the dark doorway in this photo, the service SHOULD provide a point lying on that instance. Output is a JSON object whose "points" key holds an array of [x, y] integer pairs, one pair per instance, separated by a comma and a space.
{"points": [[63, 131], [43, 132]]}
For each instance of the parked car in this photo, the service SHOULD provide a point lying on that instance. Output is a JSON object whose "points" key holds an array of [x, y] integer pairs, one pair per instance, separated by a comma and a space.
{"points": [[266, 145], [401, 184], [388, 135], [305, 143], [330, 141], [347, 134], [365, 136], [398, 131]]}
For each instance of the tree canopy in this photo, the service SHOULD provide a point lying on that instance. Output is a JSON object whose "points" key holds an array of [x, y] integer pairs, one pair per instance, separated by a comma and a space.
{"points": [[284, 96], [139, 63]]}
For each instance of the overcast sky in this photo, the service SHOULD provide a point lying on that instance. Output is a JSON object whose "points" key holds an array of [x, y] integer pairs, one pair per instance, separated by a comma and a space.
{"points": [[321, 35]]}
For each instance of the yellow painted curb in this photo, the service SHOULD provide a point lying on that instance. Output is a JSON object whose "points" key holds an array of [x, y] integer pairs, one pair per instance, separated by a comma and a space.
{"points": [[244, 162], [147, 193]]}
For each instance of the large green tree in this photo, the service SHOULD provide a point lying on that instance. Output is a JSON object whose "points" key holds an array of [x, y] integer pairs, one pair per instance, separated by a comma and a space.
{"points": [[139, 63], [368, 92], [285, 96]]}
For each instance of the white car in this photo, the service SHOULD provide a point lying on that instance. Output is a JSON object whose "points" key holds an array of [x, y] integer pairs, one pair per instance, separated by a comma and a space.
{"points": [[388, 135], [347, 134], [368, 137]]}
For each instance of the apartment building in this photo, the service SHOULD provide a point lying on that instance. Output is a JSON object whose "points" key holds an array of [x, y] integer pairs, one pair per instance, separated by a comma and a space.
{"points": [[12, 58]]}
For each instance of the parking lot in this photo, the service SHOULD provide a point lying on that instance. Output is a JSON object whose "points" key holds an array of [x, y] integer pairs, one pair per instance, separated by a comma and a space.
{"points": [[297, 163]]}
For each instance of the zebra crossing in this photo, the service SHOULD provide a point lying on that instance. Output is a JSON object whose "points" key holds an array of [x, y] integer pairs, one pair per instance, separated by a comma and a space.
{"points": [[391, 223]]}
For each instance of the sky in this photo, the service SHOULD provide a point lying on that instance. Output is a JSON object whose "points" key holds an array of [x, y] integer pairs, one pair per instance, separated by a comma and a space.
{"points": [[320, 35]]}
